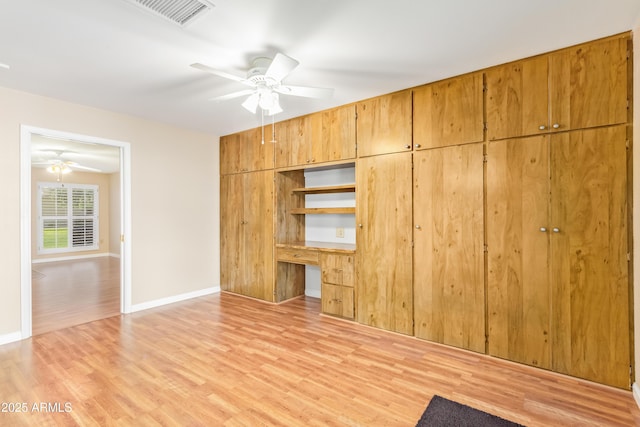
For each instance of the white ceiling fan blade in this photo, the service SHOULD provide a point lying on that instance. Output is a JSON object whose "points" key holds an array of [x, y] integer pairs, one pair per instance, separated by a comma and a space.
{"points": [[305, 91], [85, 168], [280, 67], [219, 73], [233, 95]]}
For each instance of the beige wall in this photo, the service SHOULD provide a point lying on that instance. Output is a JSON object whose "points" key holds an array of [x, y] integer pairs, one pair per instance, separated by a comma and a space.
{"points": [[101, 180], [174, 198]]}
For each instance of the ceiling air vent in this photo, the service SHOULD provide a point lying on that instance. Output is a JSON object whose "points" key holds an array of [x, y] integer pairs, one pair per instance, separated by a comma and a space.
{"points": [[180, 12]]}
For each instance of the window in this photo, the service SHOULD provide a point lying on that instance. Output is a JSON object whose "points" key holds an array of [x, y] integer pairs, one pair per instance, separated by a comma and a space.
{"points": [[67, 217]]}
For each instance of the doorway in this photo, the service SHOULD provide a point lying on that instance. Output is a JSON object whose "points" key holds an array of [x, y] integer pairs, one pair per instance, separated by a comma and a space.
{"points": [[63, 264]]}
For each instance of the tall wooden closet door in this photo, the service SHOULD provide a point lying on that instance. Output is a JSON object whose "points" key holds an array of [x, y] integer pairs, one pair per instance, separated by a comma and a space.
{"points": [[231, 232], [589, 255], [383, 259], [448, 255], [259, 235], [517, 242]]}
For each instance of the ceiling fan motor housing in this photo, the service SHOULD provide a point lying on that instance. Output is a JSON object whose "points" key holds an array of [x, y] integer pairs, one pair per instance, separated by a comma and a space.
{"points": [[256, 73]]}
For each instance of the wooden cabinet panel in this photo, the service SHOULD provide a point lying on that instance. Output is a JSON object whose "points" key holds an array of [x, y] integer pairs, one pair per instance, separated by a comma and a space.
{"points": [[589, 266], [337, 135], [517, 98], [448, 267], [338, 269], [449, 112], [245, 152], [315, 138], [231, 232], [247, 229], [557, 238], [298, 256], [588, 85], [293, 140], [384, 292], [384, 124], [518, 257], [337, 300], [574, 88]]}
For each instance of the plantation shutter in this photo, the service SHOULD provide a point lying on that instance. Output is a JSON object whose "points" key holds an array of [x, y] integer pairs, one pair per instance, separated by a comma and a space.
{"points": [[68, 217]]}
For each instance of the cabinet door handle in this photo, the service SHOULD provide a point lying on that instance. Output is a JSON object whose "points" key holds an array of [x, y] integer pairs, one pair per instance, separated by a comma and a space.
{"points": [[359, 225], [296, 255], [407, 146], [543, 229], [542, 127], [556, 230], [417, 146], [418, 227], [556, 125]]}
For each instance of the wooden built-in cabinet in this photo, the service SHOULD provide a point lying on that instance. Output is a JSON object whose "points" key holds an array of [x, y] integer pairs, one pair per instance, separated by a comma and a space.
{"points": [[246, 234], [294, 252], [492, 211], [574, 88], [448, 266], [557, 237], [383, 237], [245, 152], [384, 124], [338, 278], [449, 112], [321, 137]]}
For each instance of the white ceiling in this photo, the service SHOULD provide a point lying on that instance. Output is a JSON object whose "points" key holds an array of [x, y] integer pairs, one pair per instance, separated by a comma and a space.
{"points": [[109, 54]]}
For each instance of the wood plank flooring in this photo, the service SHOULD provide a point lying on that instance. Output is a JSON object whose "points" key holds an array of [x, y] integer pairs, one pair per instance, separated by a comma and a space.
{"points": [[69, 293], [224, 360]]}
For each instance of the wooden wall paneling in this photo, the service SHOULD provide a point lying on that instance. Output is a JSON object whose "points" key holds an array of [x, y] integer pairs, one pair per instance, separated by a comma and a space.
{"points": [[294, 139], [518, 252], [231, 232], [384, 124], [245, 152], [230, 154], [336, 139], [588, 85], [449, 112], [259, 235], [448, 267], [384, 294], [517, 98], [589, 255]]}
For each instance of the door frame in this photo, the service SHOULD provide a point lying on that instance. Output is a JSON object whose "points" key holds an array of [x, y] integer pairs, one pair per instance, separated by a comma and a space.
{"points": [[25, 217]]}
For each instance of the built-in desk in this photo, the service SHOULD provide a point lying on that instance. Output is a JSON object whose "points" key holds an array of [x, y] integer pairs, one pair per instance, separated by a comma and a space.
{"points": [[336, 263]]}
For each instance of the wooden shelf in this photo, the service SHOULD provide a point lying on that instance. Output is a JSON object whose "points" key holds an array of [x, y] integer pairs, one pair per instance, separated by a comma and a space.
{"points": [[303, 211], [348, 188]]}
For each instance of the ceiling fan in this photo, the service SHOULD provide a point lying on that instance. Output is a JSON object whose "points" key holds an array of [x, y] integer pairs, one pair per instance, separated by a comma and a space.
{"points": [[55, 162], [265, 81]]}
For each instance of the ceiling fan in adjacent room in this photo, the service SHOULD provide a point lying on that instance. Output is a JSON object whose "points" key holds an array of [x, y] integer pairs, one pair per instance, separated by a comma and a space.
{"points": [[264, 79]]}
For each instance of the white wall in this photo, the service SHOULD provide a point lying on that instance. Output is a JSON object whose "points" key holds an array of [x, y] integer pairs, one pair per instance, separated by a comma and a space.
{"points": [[174, 198]]}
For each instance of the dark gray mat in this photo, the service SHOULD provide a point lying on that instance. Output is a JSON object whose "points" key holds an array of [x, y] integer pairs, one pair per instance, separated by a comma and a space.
{"points": [[443, 412]]}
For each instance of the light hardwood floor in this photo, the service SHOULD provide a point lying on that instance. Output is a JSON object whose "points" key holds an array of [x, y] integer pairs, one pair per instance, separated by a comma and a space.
{"points": [[69, 293], [232, 361]]}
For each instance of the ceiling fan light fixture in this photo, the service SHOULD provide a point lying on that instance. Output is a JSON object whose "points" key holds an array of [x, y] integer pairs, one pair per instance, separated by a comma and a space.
{"points": [[59, 168], [251, 103]]}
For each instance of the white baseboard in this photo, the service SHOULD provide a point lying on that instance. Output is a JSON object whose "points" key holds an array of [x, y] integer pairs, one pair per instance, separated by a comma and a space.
{"points": [[69, 258], [176, 298], [314, 293], [9, 338], [636, 393]]}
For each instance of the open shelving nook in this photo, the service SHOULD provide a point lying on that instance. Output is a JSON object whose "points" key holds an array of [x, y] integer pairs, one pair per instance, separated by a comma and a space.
{"points": [[298, 246]]}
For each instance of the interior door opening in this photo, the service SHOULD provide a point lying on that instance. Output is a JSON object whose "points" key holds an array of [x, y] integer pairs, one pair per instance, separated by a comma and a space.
{"points": [[75, 246]]}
